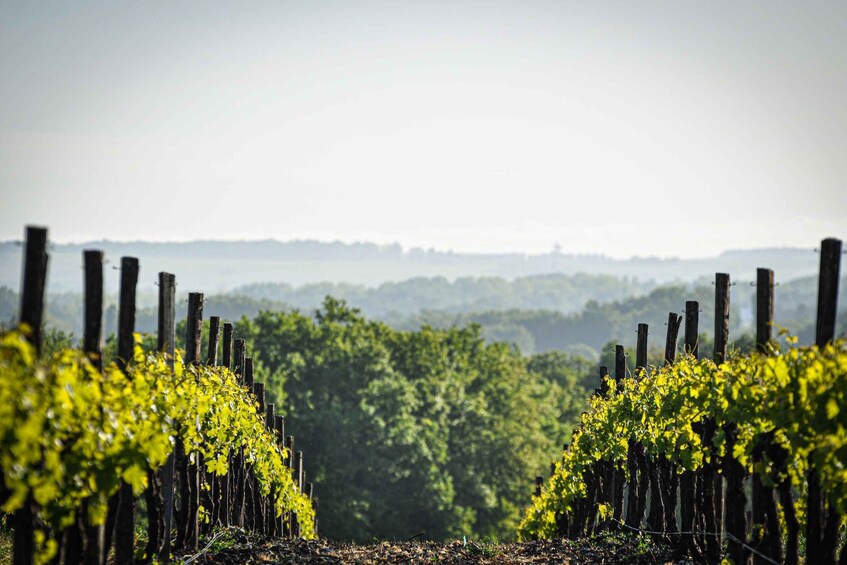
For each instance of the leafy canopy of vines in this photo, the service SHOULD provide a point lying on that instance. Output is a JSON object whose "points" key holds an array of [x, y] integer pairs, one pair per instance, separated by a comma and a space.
{"points": [[795, 398], [70, 433]]}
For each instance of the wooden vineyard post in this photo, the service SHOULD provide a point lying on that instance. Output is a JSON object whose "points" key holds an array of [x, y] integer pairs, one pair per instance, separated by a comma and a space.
{"points": [[722, 285], [279, 429], [298, 480], [269, 502], [766, 538], [688, 479], [238, 359], [640, 453], [823, 520], [830, 268], [160, 503], [226, 347], [34, 280], [674, 321], [191, 473], [620, 364], [236, 491], [257, 503], [289, 446], [692, 322], [721, 317], [248, 373], [124, 531], [736, 500], [666, 473], [245, 471], [604, 385], [214, 335], [641, 350], [31, 313], [733, 471], [211, 483], [632, 518], [619, 473], [764, 309], [223, 506], [91, 340], [604, 471], [193, 328], [212, 497], [126, 311], [93, 325]]}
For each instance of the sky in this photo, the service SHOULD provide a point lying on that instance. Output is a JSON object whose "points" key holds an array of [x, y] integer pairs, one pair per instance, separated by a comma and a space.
{"points": [[620, 128]]}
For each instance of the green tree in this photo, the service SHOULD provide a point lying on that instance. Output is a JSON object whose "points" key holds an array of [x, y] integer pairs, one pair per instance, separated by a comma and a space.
{"points": [[428, 432]]}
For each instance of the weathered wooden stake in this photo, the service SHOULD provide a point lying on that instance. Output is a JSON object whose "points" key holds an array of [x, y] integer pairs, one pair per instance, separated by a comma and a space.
{"points": [[93, 328], [820, 547], [193, 328], [692, 323], [238, 359], [34, 280], [124, 531], [619, 477], [674, 320], [91, 340], [830, 268], [299, 479], [721, 350], [721, 317], [256, 506], [248, 373], [279, 427], [31, 313], [604, 385], [160, 511], [227, 346], [193, 471], [764, 309], [289, 446], [214, 335], [641, 350], [620, 364]]}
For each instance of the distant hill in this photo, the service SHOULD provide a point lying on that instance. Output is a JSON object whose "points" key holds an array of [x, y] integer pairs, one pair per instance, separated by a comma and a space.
{"points": [[220, 266]]}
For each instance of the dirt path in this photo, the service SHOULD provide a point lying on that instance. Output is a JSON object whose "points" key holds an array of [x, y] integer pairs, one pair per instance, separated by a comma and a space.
{"points": [[608, 549]]}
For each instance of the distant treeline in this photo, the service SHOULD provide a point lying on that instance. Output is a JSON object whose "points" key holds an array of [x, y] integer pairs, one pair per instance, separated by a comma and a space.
{"points": [[599, 324], [574, 313], [562, 293], [221, 266]]}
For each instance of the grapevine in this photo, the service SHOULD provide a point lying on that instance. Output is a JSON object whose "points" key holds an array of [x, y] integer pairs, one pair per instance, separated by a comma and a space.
{"points": [[795, 398], [70, 433]]}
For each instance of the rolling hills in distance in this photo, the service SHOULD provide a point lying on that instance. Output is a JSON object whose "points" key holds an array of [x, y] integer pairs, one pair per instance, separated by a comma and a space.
{"points": [[574, 303]]}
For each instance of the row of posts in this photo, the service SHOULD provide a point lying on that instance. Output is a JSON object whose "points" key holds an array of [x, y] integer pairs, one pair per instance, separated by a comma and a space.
{"points": [[182, 486], [699, 510]]}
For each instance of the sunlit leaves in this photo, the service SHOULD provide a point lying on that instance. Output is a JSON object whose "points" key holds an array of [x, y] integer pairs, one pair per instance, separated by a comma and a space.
{"points": [[793, 398], [69, 433]]}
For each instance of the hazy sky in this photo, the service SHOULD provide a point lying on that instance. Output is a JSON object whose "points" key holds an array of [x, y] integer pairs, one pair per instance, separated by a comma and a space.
{"points": [[648, 128]]}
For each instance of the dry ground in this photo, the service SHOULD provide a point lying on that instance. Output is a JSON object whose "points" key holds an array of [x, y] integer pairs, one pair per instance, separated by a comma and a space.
{"points": [[235, 547]]}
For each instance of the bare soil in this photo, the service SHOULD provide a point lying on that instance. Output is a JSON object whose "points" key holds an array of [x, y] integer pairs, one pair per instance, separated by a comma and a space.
{"points": [[236, 548]]}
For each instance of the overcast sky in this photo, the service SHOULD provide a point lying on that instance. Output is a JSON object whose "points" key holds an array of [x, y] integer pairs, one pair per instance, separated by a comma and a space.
{"points": [[623, 128]]}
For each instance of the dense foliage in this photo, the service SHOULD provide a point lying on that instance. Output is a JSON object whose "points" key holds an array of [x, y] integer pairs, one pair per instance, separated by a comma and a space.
{"points": [[796, 399], [430, 432], [69, 432]]}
